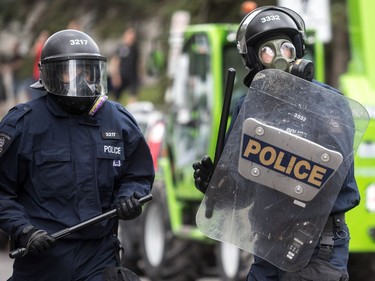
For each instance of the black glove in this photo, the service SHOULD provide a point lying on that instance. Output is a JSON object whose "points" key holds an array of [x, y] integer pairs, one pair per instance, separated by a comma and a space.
{"points": [[129, 208], [202, 173], [35, 240]]}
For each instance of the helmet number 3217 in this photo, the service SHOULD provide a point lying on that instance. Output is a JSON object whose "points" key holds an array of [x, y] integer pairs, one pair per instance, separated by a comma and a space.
{"points": [[78, 42], [270, 18]]}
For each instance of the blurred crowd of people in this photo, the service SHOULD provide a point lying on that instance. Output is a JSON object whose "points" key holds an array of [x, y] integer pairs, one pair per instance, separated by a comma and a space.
{"points": [[18, 70], [16, 74]]}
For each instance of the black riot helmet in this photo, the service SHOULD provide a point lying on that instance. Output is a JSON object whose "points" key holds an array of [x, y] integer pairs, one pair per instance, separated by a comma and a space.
{"points": [[72, 70], [265, 22]]}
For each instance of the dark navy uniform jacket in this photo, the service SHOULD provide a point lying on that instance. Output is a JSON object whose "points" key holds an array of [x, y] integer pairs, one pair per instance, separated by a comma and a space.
{"points": [[57, 170], [348, 196]]}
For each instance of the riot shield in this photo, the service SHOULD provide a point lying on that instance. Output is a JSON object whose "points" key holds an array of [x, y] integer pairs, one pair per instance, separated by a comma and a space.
{"points": [[281, 169]]}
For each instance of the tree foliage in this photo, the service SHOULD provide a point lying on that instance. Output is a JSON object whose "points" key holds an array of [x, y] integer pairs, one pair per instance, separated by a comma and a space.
{"points": [[108, 19], [111, 15]]}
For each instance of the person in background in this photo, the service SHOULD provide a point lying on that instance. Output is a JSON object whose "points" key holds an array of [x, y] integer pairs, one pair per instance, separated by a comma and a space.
{"points": [[4, 95], [267, 35], [74, 24], [16, 62], [37, 51], [66, 157], [10, 81], [124, 72]]}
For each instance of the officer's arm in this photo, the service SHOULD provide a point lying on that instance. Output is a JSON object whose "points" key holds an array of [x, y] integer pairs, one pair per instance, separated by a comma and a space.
{"points": [[12, 214], [139, 173]]}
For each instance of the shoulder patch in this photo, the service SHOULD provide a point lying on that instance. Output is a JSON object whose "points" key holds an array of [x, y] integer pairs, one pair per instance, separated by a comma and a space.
{"points": [[5, 140]]}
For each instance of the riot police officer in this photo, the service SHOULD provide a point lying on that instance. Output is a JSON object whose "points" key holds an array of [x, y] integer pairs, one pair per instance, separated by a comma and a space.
{"points": [[272, 37], [66, 157]]}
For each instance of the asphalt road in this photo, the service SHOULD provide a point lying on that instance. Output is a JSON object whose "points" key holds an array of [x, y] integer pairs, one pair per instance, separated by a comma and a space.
{"points": [[5, 266]]}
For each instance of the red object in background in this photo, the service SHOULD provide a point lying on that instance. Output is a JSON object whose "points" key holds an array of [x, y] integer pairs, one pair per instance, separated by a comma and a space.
{"points": [[155, 141]]}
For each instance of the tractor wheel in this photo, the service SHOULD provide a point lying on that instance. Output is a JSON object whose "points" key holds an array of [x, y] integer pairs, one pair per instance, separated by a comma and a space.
{"points": [[233, 263], [165, 256]]}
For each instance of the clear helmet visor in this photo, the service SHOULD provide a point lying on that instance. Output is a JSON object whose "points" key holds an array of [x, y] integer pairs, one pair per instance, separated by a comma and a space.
{"points": [[75, 78]]}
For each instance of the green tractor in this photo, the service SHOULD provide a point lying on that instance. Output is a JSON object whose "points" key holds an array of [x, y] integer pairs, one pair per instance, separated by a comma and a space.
{"points": [[168, 245], [359, 83], [173, 248]]}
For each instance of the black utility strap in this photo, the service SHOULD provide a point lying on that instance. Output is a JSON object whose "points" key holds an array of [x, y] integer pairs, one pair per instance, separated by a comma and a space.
{"points": [[119, 251], [333, 223]]}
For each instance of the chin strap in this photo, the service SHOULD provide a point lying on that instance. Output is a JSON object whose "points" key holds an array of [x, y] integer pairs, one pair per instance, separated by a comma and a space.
{"points": [[98, 104]]}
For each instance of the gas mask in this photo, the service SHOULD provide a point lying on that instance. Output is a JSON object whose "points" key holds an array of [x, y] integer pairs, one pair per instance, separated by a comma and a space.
{"points": [[81, 86], [281, 54]]}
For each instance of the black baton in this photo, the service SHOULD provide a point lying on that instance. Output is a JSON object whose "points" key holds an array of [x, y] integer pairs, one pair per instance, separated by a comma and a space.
{"points": [[231, 74], [62, 233]]}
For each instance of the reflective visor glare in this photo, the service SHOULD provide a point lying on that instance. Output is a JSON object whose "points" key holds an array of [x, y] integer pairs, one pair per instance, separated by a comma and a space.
{"points": [[70, 70], [241, 43], [288, 51], [241, 35], [266, 54]]}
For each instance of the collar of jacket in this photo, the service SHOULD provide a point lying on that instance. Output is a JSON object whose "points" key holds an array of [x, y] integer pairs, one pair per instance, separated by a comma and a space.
{"points": [[57, 111]]}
